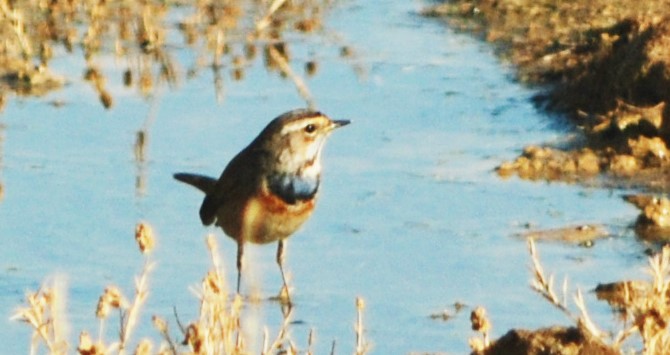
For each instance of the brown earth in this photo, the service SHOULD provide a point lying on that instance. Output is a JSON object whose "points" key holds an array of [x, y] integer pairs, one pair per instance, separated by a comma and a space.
{"points": [[554, 340], [603, 64], [604, 67]]}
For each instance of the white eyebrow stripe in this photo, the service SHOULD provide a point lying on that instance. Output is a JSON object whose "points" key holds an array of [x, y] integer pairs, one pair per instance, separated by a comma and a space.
{"points": [[300, 124]]}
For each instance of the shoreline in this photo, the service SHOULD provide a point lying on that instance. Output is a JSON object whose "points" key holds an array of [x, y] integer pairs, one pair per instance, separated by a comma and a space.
{"points": [[602, 65]]}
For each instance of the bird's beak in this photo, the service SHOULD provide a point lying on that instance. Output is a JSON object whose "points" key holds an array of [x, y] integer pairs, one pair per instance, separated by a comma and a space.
{"points": [[340, 123]]}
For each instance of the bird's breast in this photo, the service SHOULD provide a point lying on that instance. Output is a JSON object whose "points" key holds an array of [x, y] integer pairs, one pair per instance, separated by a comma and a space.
{"points": [[268, 217]]}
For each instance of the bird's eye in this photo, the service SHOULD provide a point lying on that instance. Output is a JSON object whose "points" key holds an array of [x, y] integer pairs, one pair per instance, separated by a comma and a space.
{"points": [[310, 128]]}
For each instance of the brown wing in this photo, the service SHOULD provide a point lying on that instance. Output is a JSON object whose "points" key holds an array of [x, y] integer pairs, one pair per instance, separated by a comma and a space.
{"points": [[239, 180]]}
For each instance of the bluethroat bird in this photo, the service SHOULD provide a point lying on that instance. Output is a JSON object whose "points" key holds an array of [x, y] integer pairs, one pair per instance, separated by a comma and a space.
{"points": [[268, 190]]}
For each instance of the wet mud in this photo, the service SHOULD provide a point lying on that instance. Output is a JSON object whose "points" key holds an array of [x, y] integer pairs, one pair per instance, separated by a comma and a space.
{"points": [[602, 65], [601, 68]]}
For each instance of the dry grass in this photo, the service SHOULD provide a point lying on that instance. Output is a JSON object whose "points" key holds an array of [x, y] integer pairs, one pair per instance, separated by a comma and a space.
{"points": [[144, 37], [644, 320], [218, 328]]}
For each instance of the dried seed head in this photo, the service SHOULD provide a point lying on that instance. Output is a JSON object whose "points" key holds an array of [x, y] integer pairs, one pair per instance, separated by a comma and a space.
{"points": [[237, 74], [146, 82], [360, 303], [144, 237], [106, 99], [477, 345], [94, 75], [128, 78], [86, 346], [212, 283], [249, 51], [194, 338], [111, 298], [160, 324], [144, 347], [311, 67], [479, 321], [38, 303]]}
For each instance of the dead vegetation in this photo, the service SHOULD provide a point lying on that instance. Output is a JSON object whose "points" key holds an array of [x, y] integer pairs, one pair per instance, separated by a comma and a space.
{"points": [[601, 63], [144, 38], [653, 222], [643, 308], [218, 328]]}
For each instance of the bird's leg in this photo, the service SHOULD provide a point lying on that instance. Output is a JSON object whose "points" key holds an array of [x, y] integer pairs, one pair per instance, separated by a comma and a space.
{"points": [[284, 293], [240, 253]]}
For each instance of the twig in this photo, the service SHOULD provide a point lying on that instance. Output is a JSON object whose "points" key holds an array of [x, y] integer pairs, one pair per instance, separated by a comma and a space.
{"points": [[361, 346], [17, 21], [585, 319], [141, 292], [299, 83], [267, 19], [543, 285], [281, 334], [179, 323]]}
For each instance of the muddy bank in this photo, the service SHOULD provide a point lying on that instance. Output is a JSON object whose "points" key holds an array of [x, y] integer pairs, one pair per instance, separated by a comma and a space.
{"points": [[603, 65]]}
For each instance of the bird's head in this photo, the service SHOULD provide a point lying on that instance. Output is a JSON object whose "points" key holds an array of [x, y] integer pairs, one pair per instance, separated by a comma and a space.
{"points": [[296, 138]]}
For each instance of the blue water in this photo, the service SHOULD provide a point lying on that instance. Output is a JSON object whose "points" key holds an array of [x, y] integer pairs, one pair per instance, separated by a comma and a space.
{"points": [[411, 215]]}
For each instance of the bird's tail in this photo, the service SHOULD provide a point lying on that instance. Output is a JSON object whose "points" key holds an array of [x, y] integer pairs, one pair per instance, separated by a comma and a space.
{"points": [[203, 183]]}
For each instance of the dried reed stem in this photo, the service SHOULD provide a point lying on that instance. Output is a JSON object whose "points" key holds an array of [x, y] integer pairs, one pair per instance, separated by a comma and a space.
{"points": [[281, 337], [361, 344], [585, 319], [16, 19], [45, 314], [299, 83], [267, 19], [129, 320], [545, 285]]}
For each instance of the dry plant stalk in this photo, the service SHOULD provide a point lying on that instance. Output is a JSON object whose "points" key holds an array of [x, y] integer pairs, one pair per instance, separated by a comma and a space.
{"points": [[138, 33], [545, 287], [480, 323], [649, 311], [285, 68], [267, 19], [45, 313], [361, 343], [216, 331], [15, 18], [129, 317], [112, 298], [144, 236]]}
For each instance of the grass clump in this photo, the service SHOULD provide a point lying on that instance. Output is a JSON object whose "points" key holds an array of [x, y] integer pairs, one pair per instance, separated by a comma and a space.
{"points": [[642, 317], [216, 330]]}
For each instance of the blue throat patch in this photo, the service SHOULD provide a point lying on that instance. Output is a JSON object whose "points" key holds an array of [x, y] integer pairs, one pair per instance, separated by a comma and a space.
{"points": [[293, 188]]}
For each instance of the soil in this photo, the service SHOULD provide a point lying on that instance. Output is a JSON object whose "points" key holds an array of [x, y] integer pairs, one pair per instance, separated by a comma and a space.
{"points": [[553, 340], [603, 65]]}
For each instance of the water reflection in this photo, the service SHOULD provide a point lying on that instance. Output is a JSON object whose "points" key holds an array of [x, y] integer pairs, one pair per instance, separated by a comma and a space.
{"points": [[153, 41], [140, 151], [139, 148], [145, 37], [2, 141]]}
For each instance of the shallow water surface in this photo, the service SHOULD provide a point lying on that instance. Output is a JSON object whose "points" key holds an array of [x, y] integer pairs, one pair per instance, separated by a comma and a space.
{"points": [[411, 215]]}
